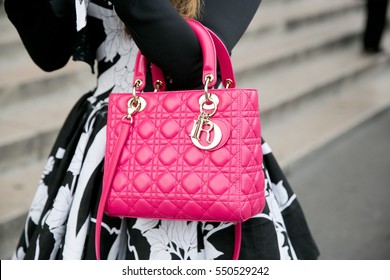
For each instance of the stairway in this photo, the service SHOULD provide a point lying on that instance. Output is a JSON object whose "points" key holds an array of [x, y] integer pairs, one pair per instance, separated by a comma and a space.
{"points": [[302, 55]]}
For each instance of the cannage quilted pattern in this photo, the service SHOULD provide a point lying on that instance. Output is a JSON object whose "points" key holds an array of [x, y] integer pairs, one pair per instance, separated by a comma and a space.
{"points": [[162, 175]]}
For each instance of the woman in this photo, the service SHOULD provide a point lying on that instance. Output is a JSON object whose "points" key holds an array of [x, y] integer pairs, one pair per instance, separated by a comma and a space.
{"points": [[61, 222], [375, 25]]}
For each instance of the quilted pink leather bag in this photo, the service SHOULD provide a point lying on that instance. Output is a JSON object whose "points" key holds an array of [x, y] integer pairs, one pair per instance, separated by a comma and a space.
{"points": [[192, 155]]}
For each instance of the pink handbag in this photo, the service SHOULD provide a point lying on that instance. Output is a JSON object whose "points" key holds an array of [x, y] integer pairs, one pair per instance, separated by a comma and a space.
{"points": [[191, 155]]}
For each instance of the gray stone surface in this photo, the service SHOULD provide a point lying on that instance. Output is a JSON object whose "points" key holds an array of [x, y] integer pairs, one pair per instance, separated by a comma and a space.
{"points": [[345, 193]]}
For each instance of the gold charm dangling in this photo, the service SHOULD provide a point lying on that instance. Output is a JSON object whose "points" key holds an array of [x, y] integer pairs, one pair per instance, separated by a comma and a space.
{"points": [[204, 125]]}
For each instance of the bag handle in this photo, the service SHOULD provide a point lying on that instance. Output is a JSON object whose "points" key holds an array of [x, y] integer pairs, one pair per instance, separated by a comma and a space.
{"points": [[218, 53]]}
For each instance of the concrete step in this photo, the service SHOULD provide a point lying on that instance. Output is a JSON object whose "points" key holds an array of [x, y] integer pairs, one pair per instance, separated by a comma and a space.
{"points": [[286, 89], [281, 48], [23, 84], [288, 15], [304, 134], [28, 129]]}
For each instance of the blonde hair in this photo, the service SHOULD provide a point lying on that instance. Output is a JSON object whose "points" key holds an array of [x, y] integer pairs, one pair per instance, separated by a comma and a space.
{"points": [[188, 8]]}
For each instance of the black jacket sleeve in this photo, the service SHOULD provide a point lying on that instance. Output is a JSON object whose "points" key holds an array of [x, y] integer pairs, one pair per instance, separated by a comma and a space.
{"points": [[167, 40], [46, 30]]}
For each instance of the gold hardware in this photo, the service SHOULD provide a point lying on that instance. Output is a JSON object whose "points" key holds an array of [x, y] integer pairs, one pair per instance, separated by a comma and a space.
{"points": [[204, 105], [157, 85], [198, 127], [134, 105], [228, 82], [208, 79], [136, 85], [204, 125]]}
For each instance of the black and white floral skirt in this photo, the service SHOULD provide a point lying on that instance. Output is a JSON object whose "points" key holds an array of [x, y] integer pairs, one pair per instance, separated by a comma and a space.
{"points": [[61, 220]]}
